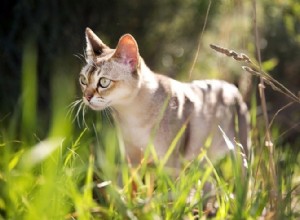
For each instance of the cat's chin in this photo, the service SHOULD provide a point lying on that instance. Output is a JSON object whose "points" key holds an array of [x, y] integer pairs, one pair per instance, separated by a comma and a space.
{"points": [[96, 108]]}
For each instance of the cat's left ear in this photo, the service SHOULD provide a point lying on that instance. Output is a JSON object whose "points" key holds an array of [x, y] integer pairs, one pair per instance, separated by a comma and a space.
{"points": [[94, 46], [127, 51]]}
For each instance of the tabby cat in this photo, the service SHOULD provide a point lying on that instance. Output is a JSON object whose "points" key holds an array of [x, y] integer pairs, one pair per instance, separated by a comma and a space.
{"points": [[146, 103]]}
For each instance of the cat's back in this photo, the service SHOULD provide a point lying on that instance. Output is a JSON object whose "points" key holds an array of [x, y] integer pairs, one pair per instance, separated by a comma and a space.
{"points": [[217, 91], [219, 99], [220, 103], [203, 95]]}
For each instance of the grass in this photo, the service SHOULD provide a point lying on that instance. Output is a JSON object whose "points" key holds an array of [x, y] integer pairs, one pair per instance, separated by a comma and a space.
{"points": [[81, 173], [85, 179]]}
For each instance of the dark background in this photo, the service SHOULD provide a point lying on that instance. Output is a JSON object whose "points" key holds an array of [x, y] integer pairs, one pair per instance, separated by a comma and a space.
{"points": [[167, 32]]}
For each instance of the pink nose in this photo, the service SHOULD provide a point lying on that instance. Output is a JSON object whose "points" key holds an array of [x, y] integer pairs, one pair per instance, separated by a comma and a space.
{"points": [[89, 93], [88, 97]]}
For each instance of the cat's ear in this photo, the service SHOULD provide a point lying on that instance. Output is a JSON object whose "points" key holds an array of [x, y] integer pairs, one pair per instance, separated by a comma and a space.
{"points": [[127, 51], [94, 46]]}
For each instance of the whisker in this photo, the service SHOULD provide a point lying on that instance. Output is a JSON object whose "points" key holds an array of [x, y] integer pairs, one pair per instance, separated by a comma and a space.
{"points": [[82, 114], [72, 107], [112, 112], [107, 113], [83, 117], [78, 112], [80, 57], [96, 134], [85, 55]]}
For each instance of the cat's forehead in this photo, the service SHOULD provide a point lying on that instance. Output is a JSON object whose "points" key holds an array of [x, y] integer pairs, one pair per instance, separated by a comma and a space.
{"points": [[105, 66], [93, 67], [100, 69], [88, 69], [98, 63]]}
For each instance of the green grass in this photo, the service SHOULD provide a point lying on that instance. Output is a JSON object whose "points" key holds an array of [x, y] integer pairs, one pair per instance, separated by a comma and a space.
{"points": [[81, 173], [81, 178]]}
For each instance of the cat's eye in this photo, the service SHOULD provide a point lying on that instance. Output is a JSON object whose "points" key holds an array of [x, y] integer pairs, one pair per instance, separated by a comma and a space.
{"points": [[83, 80], [104, 82]]}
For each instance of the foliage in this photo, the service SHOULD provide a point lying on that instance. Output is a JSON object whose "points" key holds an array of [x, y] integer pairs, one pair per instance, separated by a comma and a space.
{"points": [[79, 177]]}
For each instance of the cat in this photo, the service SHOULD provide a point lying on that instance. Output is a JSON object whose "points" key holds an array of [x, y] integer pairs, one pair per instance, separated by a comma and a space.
{"points": [[146, 103]]}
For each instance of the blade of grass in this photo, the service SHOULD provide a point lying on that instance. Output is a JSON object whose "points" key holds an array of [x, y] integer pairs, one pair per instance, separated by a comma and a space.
{"points": [[29, 89]]}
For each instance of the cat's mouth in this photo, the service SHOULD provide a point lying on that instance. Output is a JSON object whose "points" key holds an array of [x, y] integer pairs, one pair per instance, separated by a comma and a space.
{"points": [[96, 106]]}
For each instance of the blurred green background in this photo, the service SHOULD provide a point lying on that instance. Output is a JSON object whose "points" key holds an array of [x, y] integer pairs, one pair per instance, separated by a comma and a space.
{"points": [[39, 41]]}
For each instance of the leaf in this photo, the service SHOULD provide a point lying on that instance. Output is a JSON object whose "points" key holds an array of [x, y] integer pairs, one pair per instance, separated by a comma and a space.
{"points": [[269, 64], [14, 161], [229, 144]]}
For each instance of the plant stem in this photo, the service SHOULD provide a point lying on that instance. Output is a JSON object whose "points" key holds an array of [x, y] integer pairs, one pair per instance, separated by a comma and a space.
{"points": [[274, 197]]}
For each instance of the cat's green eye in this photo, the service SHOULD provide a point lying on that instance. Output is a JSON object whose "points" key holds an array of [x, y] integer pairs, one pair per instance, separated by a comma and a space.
{"points": [[104, 82], [83, 80]]}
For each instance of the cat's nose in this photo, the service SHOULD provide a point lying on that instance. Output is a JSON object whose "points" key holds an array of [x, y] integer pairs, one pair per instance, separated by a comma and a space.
{"points": [[88, 97]]}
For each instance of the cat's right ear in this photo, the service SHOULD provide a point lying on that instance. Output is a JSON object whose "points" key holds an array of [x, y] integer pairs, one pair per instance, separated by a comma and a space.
{"points": [[94, 46], [127, 51]]}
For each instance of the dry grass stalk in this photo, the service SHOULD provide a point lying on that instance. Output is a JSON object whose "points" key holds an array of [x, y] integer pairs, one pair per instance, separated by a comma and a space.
{"points": [[199, 41], [231, 53], [254, 70]]}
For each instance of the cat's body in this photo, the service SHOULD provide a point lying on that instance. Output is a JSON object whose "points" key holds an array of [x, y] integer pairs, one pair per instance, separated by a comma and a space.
{"points": [[146, 103]]}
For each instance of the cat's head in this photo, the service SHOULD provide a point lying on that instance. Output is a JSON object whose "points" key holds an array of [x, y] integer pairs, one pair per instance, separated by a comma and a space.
{"points": [[111, 76]]}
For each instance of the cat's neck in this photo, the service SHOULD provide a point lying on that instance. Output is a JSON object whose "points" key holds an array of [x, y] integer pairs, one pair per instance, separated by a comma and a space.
{"points": [[146, 99]]}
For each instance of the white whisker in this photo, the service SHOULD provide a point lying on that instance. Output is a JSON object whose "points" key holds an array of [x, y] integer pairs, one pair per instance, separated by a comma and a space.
{"points": [[72, 107], [107, 113], [80, 57], [78, 113], [83, 116], [85, 56]]}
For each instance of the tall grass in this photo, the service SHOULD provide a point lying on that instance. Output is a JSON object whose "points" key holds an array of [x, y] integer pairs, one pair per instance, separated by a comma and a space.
{"points": [[82, 174]]}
